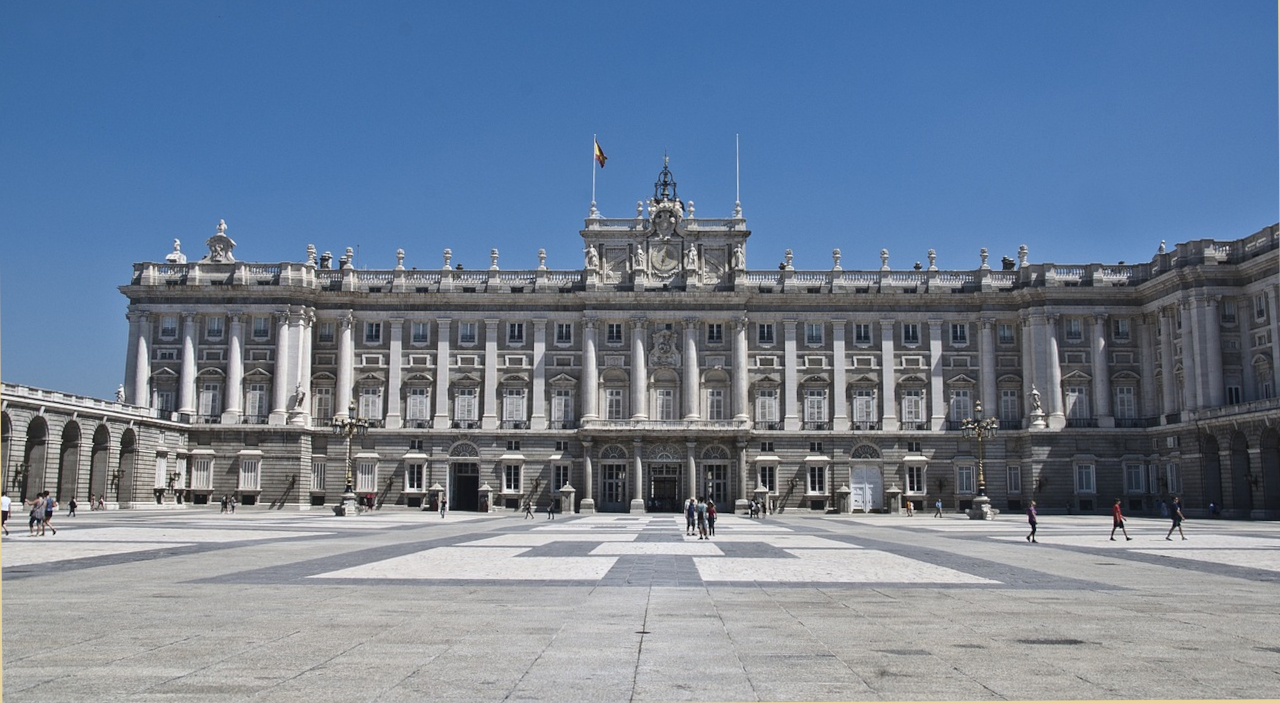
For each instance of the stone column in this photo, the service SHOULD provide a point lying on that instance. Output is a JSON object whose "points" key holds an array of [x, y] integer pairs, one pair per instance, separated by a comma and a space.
{"points": [[303, 409], [1026, 339], [790, 382], [489, 420], [639, 372], [1057, 418], [1215, 388], [741, 374], [937, 403], [1274, 317], [1101, 378], [691, 468], [637, 498], [130, 362], [888, 379], [538, 411], [141, 361], [346, 368], [588, 504], [235, 370], [187, 376], [691, 368], [1190, 360], [1147, 365], [395, 373], [987, 367], [280, 387], [441, 419], [839, 411], [590, 376], [1169, 381], [740, 504], [1249, 372]]}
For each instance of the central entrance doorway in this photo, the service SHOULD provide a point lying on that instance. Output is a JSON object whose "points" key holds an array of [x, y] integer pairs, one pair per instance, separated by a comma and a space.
{"points": [[465, 487], [664, 489]]}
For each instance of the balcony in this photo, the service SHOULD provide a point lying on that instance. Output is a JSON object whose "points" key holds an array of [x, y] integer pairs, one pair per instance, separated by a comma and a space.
{"points": [[1137, 422], [515, 424], [254, 420], [913, 425], [1082, 422], [1011, 424], [866, 425], [815, 426], [666, 426], [465, 424], [955, 425], [562, 425], [769, 426], [418, 424]]}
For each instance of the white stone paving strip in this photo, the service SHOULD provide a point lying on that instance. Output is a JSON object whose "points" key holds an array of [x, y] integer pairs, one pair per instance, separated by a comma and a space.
{"points": [[664, 548], [786, 541], [1268, 560], [541, 540], [26, 555], [1149, 540], [489, 563], [831, 566], [146, 534]]}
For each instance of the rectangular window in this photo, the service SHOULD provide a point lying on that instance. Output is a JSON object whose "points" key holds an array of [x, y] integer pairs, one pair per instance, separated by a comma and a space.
{"points": [[413, 477], [769, 478], [513, 405], [764, 333], [1009, 406], [961, 405], [915, 479], [864, 407], [371, 402], [613, 333], [1120, 329], [564, 333], [1126, 403], [815, 406], [317, 474], [561, 408], [815, 447], [560, 476], [511, 478], [1084, 479], [169, 326], [249, 475], [1004, 333], [613, 483], [1172, 480], [910, 333], [164, 401], [767, 405], [515, 333], [1075, 329], [202, 473], [261, 328], [466, 333], [665, 399], [373, 333], [813, 333], [366, 476], [421, 333], [615, 409], [861, 333], [964, 480], [817, 479], [210, 400], [913, 406], [1014, 480], [1227, 312], [766, 447], [715, 333], [715, 404], [213, 328], [1259, 307], [322, 403], [959, 334], [416, 406], [1077, 399], [1133, 478], [324, 332], [1233, 395], [255, 402]]}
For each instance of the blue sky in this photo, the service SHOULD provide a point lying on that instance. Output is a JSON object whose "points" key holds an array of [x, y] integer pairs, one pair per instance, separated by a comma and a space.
{"points": [[1087, 130]]}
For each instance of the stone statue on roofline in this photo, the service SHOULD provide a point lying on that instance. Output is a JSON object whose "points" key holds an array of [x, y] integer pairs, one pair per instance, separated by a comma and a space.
{"points": [[220, 246], [176, 256]]}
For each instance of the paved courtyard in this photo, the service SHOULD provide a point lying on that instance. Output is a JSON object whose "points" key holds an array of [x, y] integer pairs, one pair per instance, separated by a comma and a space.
{"points": [[192, 606]]}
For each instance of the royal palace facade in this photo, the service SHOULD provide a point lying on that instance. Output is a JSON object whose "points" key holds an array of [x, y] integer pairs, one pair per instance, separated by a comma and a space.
{"points": [[664, 368]]}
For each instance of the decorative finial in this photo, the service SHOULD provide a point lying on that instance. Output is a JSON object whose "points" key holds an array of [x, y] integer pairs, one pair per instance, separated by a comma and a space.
{"points": [[493, 259], [835, 256], [594, 214], [176, 256], [786, 259], [737, 210], [933, 260], [884, 259], [542, 259], [690, 208], [311, 255], [448, 255], [1022, 256], [1161, 251], [983, 253], [399, 259]]}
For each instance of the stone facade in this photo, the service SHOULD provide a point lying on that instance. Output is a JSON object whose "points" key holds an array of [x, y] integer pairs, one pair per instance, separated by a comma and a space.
{"points": [[665, 368]]}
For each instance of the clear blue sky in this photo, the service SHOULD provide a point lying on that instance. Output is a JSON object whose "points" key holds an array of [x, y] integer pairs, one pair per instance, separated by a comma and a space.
{"points": [[1087, 130]]}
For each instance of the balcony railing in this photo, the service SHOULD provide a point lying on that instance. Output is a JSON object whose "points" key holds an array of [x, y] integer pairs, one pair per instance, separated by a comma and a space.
{"points": [[418, 424], [913, 425], [562, 425], [1137, 422], [955, 425], [769, 425], [466, 424], [254, 420], [815, 426], [515, 424], [866, 425], [666, 425], [1082, 422], [1011, 424]]}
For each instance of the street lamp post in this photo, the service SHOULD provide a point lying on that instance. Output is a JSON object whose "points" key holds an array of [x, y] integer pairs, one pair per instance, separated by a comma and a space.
{"points": [[980, 429], [348, 427], [20, 473]]}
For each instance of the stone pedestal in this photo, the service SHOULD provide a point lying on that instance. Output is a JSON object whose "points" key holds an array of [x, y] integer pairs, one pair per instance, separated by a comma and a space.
{"points": [[740, 506], [588, 507], [1037, 421], [486, 499], [637, 506], [349, 507], [843, 504], [894, 495], [982, 509], [567, 494]]}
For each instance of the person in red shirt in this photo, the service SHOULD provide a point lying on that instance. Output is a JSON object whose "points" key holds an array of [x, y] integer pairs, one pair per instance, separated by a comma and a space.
{"points": [[1117, 520]]}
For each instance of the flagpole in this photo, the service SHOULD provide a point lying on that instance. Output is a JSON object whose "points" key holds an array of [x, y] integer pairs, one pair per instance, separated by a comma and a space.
{"points": [[594, 141], [737, 180]]}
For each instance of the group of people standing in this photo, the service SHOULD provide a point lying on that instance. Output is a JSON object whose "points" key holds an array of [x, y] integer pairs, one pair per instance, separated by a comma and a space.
{"points": [[700, 515], [228, 504], [40, 517], [1117, 521]]}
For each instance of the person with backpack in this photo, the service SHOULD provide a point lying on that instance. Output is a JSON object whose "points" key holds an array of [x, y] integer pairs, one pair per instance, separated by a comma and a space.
{"points": [[49, 506], [711, 519], [700, 510], [690, 508]]}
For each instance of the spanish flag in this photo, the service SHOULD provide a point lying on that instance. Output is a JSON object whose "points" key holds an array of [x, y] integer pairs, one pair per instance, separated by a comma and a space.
{"points": [[600, 157]]}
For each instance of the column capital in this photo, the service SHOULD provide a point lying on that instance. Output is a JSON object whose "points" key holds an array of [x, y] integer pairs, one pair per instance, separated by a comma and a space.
{"points": [[640, 322], [987, 322], [137, 316], [188, 317], [1100, 317], [590, 322]]}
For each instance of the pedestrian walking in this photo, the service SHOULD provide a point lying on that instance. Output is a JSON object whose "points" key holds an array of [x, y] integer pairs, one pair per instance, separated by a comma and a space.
{"points": [[937, 508], [93, 502], [700, 510], [690, 509], [224, 504], [5, 503], [910, 510], [35, 519], [71, 511], [49, 506], [232, 505], [551, 509], [102, 504], [1175, 512], [1031, 520], [1117, 521], [444, 507], [711, 519], [528, 509]]}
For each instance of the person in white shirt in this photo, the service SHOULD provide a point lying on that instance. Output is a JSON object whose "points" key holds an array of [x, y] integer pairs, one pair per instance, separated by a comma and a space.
{"points": [[5, 503]]}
